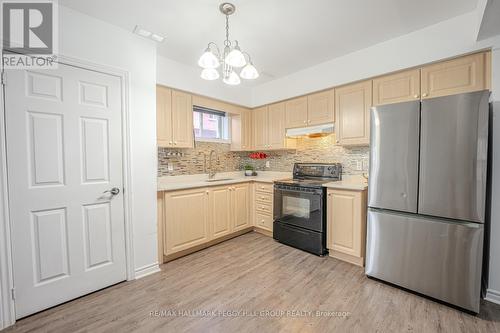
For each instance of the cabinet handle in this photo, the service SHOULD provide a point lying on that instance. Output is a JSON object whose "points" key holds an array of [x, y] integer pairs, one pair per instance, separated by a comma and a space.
{"points": [[170, 142], [206, 192], [175, 142], [308, 121], [305, 121], [416, 96], [424, 95]]}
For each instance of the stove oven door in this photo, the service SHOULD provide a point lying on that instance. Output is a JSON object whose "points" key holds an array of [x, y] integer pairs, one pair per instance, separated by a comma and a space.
{"points": [[299, 206]]}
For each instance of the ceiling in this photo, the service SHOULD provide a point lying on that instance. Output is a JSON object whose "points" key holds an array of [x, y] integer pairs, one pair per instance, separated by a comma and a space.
{"points": [[282, 36]]}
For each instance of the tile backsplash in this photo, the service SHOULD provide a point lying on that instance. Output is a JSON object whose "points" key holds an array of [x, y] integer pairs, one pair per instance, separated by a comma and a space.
{"points": [[319, 150]]}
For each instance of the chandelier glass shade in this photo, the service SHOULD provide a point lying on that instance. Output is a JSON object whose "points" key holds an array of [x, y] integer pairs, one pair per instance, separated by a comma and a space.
{"points": [[212, 60]]}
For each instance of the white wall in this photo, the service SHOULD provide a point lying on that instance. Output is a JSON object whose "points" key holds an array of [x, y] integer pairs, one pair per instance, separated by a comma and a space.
{"points": [[494, 276], [176, 75], [87, 38], [443, 40]]}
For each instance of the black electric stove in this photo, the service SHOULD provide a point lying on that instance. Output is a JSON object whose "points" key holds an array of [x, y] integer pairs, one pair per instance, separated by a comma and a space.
{"points": [[300, 206]]}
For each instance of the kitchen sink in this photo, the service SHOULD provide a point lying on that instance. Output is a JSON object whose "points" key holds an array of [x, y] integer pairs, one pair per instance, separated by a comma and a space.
{"points": [[218, 179]]}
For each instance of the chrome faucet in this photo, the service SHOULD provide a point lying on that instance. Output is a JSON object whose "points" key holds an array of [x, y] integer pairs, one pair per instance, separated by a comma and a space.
{"points": [[211, 172]]}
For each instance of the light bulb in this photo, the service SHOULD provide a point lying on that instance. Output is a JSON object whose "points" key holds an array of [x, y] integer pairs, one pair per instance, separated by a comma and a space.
{"points": [[249, 72], [208, 60], [232, 79], [209, 74], [235, 58]]}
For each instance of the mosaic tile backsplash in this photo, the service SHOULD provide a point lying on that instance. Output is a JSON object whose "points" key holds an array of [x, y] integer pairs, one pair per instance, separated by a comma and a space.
{"points": [[318, 150]]}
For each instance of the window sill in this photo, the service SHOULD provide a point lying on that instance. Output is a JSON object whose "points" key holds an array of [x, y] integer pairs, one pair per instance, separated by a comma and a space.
{"points": [[213, 140]]}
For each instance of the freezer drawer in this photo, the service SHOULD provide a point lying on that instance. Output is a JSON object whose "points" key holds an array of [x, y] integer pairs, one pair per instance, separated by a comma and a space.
{"points": [[453, 156], [394, 156], [434, 257]]}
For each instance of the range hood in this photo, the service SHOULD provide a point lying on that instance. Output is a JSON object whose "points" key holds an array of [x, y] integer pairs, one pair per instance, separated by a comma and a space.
{"points": [[319, 130]]}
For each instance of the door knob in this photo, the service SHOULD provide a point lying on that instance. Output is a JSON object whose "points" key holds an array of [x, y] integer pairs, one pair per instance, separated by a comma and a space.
{"points": [[113, 191]]}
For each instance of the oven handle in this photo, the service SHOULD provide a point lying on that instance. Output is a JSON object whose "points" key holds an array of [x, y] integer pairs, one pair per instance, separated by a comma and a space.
{"points": [[298, 191]]}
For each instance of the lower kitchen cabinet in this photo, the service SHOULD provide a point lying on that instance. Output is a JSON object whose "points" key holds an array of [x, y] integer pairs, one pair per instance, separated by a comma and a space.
{"points": [[240, 203], [346, 225], [194, 218], [263, 207], [186, 222]]}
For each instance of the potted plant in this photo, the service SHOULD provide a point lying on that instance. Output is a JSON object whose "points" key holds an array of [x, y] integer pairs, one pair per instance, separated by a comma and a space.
{"points": [[254, 156], [248, 170]]}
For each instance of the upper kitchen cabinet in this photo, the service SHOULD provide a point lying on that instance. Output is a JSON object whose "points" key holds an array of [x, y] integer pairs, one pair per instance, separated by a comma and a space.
{"points": [[320, 108], [182, 120], [352, 107], [455, 76], [260, 127], [174, 118], [399, 87], [164, 116], [296, 112], [276, 124], [241, 131], [269, 128]]}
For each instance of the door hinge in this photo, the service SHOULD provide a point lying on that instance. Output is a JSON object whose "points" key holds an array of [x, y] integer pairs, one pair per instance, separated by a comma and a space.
{"points": [[3, 78], [13, 293]]}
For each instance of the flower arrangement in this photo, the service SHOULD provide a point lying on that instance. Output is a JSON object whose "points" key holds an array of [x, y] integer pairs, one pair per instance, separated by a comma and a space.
{"points": [[258, 156]]}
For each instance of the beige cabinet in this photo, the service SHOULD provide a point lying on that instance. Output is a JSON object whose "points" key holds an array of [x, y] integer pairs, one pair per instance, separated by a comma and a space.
{"points": [[186, 219], [242, 131], [240, 202], [399, 87], [320, 108], [346, 225], [263, 207], [269, 128], [220, 211], [296, 112], [352, 107], [276, 126], [164, 116], [260, 127], [174, 118], [454, 76], [182, 120]]}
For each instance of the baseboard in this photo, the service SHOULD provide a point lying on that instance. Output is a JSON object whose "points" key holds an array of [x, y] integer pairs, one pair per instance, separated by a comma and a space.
{"points": [[263, 231], [147, 270], [493, 296]]}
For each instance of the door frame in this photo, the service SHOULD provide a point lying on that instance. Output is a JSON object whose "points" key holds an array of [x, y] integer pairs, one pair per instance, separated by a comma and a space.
{"points": [[7, 303]]}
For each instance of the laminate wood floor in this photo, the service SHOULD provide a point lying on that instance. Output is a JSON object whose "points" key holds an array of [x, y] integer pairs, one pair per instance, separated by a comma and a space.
{"points": [[266, 282]]}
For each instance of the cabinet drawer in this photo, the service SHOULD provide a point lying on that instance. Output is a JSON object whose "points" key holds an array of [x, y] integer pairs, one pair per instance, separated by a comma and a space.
{"points": [[265, 208], [263, 221], [263, 197], [264, 187]]}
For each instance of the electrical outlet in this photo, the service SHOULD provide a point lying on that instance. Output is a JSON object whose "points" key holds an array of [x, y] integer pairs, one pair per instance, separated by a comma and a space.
{"points": [[170, 167], [268, 164], [359, 166], [365, 165]]}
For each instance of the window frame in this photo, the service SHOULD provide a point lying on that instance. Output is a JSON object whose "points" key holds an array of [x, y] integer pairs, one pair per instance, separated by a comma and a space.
{"points": [[224, 125]]}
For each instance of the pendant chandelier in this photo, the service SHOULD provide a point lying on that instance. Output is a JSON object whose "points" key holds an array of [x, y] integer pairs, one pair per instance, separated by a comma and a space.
{"points": [[232, 58]]}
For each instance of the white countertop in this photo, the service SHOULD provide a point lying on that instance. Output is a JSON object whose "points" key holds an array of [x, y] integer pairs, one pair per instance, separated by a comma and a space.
{"points": [[170, 183], [349, 182]]}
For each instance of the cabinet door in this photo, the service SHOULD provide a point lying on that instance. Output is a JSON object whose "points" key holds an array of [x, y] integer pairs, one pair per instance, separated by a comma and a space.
{"points": [[395, 88], [296, 112], [186, 220], [160, 218], [320, 108], [247, 130], [220, 211], [276, 126], [182, 120], [344, 225], [352, 105], [455, 76], [241, 206], [164, 116], [260, 126]]}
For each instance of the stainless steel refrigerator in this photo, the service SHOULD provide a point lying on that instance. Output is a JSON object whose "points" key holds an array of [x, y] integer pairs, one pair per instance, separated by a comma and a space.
{"points": [[427, 196]]}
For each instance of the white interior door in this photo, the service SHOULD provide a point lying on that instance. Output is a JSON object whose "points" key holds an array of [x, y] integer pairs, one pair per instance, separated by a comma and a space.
{"points": [[64, 149]]}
